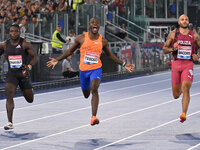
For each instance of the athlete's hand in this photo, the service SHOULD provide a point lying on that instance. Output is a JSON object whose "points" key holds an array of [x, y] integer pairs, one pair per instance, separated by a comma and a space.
{"points": [[52, 62], [129, 67], [175, 47], [25, 69], [195, 57]]}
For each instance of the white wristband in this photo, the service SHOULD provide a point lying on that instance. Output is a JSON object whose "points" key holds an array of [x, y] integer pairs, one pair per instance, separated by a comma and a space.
{"points": [[124, 64]]}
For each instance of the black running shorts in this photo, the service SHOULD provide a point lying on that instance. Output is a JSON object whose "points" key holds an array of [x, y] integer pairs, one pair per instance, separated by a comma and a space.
{"points": [[16, 77]]}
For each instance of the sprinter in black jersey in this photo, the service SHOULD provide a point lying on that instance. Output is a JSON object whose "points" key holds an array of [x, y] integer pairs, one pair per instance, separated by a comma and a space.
{"points": [[16, 51]]}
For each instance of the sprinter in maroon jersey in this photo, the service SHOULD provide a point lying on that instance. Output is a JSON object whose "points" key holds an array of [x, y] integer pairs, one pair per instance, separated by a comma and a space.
{"points": [[181, 43]]}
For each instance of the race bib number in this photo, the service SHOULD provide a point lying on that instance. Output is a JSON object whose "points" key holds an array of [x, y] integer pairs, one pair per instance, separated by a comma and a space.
{"points": [[91, 58], [184, 52], [15, 61]]}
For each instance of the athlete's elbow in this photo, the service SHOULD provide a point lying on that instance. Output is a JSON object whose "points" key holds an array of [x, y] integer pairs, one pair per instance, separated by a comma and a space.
{"points": [[165, 51]]}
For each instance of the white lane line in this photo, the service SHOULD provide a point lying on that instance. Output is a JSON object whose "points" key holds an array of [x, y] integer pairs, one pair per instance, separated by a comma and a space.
{"points": [[193, 147], [145, 131], [84, 108], [78, 97], [83, 126], [130, 79], [71, 89], [134, 78]]}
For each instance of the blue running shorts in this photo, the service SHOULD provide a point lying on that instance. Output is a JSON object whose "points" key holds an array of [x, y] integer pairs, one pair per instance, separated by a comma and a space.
{"points": [[86, 77]]}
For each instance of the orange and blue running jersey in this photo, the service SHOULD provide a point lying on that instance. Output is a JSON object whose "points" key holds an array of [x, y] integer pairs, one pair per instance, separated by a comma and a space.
{"points": [[90, 53]]}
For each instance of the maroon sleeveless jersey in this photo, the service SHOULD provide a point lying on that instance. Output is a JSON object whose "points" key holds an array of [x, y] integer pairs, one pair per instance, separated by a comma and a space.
{"points": [[186, 46]]}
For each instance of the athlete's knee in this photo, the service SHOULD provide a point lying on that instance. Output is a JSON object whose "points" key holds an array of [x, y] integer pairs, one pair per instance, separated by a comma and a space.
{"points": [[176, 96], [9, 101], [185, 89], [9, 94], [9, 91], [28, 95], [94, 91], [29, 99], [86, 95]]}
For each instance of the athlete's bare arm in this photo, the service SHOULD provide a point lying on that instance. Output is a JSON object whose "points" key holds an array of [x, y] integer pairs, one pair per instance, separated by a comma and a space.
{"points": [[110, 55], [78, 42], [170, 39], [2, 48], [27, 46], [197, 41]]}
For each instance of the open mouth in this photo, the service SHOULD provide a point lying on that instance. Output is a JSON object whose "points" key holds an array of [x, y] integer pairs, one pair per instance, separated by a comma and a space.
{"points": [[94, 28]]}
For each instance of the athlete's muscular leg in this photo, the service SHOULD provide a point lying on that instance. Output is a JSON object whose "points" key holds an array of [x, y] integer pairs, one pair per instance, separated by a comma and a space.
{"points": [[10, 91], [176, 80], [186, 85], [95, 95], [28, 95], [176, 89]]}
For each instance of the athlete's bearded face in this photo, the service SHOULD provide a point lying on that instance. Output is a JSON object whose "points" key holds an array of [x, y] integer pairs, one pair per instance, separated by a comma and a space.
{"points": [[183, 21], [94, 25], [14, 33]]}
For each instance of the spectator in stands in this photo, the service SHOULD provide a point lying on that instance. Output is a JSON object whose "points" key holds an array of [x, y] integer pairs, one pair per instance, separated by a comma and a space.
{"points": [[22, 27], [55, 5], [75, 3], [62, 6], [108, 14], [37, 7], [1, 20], [172, 9], [57, 41], [22, 11], [35, 22], [122, 34], [15, 20], [106, 2], [121, 8], [67, 70], [71, 38], [2, 16], [190, 26]]}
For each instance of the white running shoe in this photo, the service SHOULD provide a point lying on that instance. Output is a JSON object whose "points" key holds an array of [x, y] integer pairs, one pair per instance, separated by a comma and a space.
{"points": [[8, 126]]}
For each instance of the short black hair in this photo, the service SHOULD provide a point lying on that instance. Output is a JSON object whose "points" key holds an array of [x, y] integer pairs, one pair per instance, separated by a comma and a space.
{"points": [[15, 25], [15, 19]]}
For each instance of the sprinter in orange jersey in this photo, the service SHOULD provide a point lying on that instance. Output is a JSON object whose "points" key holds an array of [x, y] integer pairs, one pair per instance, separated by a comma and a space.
{"points": [[91, 44]]}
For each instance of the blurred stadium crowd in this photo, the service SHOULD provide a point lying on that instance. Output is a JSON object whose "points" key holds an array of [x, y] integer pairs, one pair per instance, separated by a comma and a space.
{"points": [[16, 11]]}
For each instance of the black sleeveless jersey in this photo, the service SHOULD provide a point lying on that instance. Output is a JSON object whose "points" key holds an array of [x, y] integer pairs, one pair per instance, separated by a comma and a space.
{"points": [[16, 55]]}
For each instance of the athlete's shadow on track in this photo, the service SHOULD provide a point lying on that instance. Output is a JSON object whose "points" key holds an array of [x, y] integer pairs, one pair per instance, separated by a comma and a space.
{"points": [[11, 135], [91, 144], [189, 138]]}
